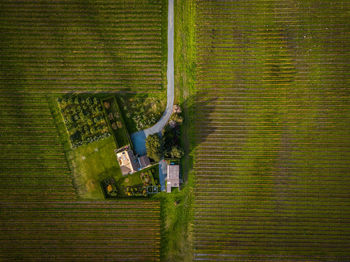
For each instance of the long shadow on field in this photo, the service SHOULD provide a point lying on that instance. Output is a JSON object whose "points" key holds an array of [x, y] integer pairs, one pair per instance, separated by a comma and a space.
{"points": [[197, 126], [196, 110]]}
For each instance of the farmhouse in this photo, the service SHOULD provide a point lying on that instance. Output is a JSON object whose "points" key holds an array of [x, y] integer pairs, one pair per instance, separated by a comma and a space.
{"points": [[127, 160], [172, 178]]}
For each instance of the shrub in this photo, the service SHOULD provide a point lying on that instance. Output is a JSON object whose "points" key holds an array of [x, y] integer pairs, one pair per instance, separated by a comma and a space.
{"points": [[176, 152], [106, 104], [154, 147], [110, 116], [177, 118], [88, 101]]}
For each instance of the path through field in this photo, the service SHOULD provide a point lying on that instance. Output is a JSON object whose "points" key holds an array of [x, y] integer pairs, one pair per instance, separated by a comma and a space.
{"points": [[139, 138]]}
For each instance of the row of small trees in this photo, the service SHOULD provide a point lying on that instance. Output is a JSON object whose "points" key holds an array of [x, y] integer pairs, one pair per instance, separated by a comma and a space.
{"points": [[135, 191], [113, 115], [84, 119]]}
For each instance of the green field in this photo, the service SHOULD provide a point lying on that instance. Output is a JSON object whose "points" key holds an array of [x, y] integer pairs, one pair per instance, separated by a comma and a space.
{"points": [[80, 231], [33, 164], [271, 168], [62, 47], [84, 46], [41, 215], [91, 164], [264, 85]]}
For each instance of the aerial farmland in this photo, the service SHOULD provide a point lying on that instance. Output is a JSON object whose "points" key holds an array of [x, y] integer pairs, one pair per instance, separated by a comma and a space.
{"points": [[174, 130], [271, 172], [49, 49]]}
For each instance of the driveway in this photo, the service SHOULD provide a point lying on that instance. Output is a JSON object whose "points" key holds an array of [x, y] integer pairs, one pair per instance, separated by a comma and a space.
{"points": [[140, 137], [162, 173]]}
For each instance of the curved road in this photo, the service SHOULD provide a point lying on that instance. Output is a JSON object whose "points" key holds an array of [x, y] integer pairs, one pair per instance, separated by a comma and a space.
{"points": [[139, 138]]}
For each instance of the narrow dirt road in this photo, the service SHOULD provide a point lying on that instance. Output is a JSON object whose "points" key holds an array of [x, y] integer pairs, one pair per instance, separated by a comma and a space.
{"points": [[139, 138]]}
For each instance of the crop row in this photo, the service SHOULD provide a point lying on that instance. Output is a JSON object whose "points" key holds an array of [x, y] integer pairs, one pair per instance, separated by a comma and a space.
{"points": [[32, 151], [66, 46], [55, 46], [271, 160]]}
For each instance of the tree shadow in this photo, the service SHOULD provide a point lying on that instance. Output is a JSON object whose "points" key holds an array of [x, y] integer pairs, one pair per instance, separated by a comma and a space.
{"points": [[194, 130], [196, 127]]}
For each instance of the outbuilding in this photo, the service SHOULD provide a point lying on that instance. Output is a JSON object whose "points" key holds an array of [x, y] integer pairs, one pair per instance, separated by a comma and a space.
{"points": [[173, 177]]}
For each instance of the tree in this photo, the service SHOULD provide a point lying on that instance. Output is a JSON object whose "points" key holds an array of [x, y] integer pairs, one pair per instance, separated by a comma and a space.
{"points": [[62, 102], [177, 118], [88, 100], [74, 111], [81, 115], [154, 147], [176, 152]]}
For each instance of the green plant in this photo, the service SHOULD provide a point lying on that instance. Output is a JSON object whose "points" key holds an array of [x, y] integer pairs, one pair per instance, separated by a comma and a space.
{"points": [[154, 147], [176, 152]]}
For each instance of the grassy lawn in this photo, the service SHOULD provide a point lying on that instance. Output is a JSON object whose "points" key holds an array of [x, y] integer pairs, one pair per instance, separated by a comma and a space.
{"points": [[91, 164], [130, 180], [184, 49], [176, 217]]}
